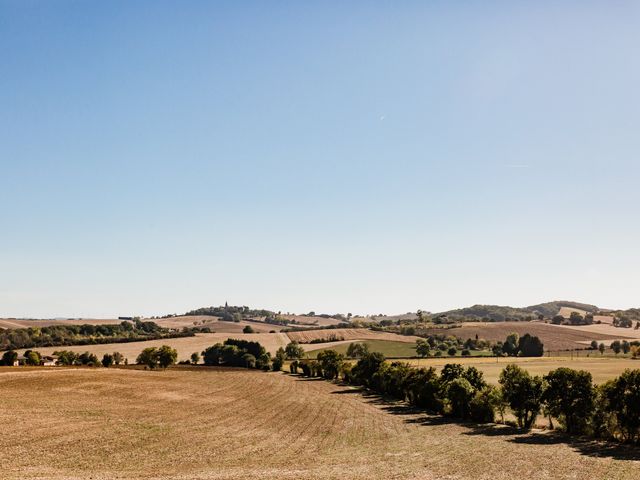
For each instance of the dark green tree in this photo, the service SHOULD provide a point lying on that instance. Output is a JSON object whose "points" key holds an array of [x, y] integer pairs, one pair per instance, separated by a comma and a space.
{"points": [[331, 363], [530, 346], [569, 396], [9, 358], [294, 350], [622, 397], [107, 360], [279, 359], [148, 357], [523, 393]]}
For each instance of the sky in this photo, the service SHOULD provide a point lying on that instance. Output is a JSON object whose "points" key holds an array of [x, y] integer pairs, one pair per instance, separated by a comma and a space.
{"points": [[364, 157]]}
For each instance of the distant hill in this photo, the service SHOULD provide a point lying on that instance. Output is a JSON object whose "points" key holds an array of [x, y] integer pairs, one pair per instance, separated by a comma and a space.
{"points": [[499, 313], [551, 309]]}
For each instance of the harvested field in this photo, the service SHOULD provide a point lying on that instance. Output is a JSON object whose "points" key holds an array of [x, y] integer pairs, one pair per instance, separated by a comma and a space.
{"points": [[63, 424], [25, 323], [185, 345], [349, 334], [601, 368], [608, 319], [567, 311], [606, 332], [173, 322], [554, 337], [316, 321]]}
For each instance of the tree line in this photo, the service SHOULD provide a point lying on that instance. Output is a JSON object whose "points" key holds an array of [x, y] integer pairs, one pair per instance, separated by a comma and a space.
{"points": [[65, 335], [569, 396]]}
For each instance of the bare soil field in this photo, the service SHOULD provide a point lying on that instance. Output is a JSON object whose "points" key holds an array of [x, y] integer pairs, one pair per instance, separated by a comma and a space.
{"points": [[25, 323], [605, 332], [348, 334], [603, 319], [567, 311], [601, 368], [173, 322], [64, 424], [184, 345], [554, 337], [316, 321]]}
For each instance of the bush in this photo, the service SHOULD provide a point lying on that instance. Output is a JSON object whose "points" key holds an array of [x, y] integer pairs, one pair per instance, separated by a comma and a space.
{"points": [[248, 329]]}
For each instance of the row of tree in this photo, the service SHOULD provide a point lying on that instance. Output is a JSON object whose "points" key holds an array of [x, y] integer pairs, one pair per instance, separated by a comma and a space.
{"points": [[64, 357], [566, 395], [61, 335]]}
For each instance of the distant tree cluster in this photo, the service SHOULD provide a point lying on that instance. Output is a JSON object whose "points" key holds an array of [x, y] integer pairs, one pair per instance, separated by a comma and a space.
{"points": [[440, 345], [516, 346], [622, 322], [237, 353], [230, 313], [161, 357]]}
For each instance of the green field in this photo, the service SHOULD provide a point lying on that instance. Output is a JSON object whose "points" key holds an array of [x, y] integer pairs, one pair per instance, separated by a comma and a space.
{"points": [[390, 349]]}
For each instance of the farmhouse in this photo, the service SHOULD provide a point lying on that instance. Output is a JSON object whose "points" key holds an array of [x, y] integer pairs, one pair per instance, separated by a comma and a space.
{"points": [[49, 360], [45, 360]]}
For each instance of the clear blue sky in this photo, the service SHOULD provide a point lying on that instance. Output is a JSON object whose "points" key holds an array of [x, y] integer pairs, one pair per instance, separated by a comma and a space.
{"points": [[356, 157]]}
